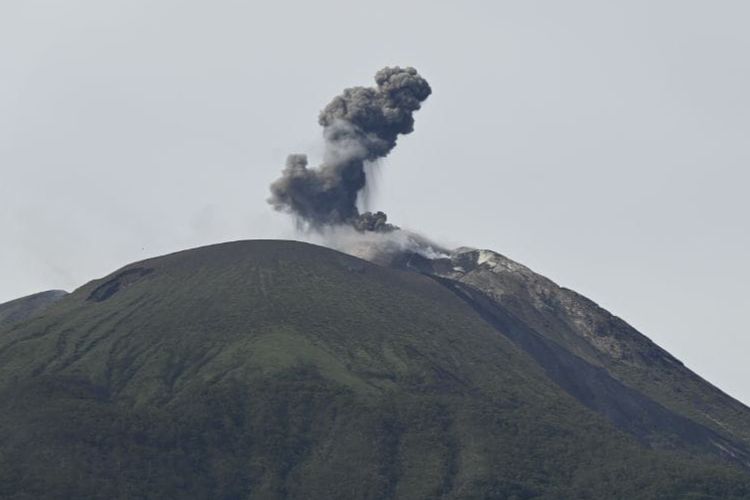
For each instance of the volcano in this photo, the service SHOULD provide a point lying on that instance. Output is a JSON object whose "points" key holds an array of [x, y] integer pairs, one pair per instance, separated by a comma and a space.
{"points": [[280, 369]]}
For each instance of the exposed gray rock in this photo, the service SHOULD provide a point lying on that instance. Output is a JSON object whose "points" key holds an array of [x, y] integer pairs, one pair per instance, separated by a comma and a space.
{"points": [[595, 356]]}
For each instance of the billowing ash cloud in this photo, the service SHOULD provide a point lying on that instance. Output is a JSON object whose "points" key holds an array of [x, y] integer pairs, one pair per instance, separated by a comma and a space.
{"points": [[359, 126]]}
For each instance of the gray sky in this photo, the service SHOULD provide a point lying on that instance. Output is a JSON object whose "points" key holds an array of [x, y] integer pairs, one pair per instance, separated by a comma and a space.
{"points": [[604, 144]]}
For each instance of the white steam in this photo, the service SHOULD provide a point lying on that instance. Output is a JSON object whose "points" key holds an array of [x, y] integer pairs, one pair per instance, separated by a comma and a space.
{"points": [[377, 247]]}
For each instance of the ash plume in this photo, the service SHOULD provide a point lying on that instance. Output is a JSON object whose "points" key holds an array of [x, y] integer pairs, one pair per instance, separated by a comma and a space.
{"points": [[359, 126]]}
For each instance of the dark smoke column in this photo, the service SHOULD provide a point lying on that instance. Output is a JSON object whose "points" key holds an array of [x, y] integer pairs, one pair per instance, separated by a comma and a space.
{"points": [[359, 126]]}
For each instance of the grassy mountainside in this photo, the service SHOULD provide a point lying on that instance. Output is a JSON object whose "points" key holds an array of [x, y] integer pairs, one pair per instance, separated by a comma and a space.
{"points": [[26, 307], [269, 369]]}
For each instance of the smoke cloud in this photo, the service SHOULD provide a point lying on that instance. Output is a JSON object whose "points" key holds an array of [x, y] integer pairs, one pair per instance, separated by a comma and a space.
{"points": [[380, 247], [360, 126]]}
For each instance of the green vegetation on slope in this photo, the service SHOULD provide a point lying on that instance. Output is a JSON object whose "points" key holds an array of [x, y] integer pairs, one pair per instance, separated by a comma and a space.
{"points": [[270, 369], [26, 307]]}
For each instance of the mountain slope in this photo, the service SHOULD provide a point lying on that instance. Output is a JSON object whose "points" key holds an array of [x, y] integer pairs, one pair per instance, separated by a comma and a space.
{"points": [[269, 369], [26, 307], [574, 323]]}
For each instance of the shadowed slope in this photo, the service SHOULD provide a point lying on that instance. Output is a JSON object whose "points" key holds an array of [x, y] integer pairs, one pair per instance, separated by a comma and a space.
{"points": [[598, 390]]}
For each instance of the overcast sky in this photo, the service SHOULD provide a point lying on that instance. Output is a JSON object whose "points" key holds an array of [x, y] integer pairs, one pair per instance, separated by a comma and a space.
{"points": [[603, 144]]}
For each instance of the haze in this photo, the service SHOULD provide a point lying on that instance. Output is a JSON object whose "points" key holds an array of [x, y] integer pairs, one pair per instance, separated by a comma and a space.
{"points": [[603, 144]]}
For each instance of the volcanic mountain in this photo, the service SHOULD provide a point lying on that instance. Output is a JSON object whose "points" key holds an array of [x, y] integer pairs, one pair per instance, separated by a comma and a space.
{"points": [[279, 369]]}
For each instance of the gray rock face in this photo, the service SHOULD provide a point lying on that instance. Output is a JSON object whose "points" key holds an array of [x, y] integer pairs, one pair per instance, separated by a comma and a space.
{"points": [[559, 313], [24, 308], [595, 356]]}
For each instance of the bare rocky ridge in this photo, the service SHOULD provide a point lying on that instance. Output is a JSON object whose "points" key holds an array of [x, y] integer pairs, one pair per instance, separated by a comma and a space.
{"points": [[595, 356]]}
